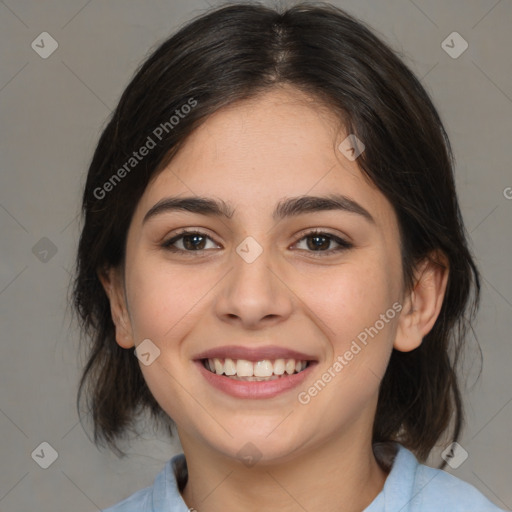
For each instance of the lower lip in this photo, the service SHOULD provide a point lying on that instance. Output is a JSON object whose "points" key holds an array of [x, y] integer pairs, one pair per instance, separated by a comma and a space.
{"points": [[255, 389]]}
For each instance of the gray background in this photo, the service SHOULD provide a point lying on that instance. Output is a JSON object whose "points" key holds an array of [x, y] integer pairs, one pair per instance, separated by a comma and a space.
{"points": [[52, 111]]}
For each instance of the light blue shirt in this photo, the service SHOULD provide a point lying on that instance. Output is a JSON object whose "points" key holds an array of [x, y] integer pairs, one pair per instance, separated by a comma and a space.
{"points": [[409, 487]]}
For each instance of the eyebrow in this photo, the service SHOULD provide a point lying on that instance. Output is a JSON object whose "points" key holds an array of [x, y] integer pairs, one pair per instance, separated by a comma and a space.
{"points": [[289, 207]]}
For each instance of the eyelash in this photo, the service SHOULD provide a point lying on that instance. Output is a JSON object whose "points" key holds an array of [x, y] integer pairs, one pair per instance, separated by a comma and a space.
{"points": [[343, 244]]}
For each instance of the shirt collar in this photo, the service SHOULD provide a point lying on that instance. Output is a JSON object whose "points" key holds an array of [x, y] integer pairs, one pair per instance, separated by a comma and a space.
{"points": [[397, 489]]}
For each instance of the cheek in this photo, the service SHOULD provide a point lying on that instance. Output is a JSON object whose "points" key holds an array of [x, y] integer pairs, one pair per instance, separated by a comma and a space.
{"points": [[356, 308], [162, 299], [164, 304], [349, 298], [355, 305]]}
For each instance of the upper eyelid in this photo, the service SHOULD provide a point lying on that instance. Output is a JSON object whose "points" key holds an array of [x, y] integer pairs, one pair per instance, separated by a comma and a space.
{"points": [[322, 231], [189, 231]]}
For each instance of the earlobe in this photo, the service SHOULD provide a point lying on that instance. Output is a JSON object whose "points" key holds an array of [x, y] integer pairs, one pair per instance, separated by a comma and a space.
{"points": [[112, 283], [423, 303]]}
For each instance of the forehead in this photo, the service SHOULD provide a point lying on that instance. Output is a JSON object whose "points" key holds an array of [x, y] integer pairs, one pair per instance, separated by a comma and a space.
{"points": [[253, 153]]}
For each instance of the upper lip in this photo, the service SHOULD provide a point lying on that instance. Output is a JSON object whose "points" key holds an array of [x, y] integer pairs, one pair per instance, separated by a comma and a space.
{"points": [[271, 352]]}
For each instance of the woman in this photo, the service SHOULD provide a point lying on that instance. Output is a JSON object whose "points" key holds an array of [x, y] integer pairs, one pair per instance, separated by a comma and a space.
{"points": [[272, 228]]}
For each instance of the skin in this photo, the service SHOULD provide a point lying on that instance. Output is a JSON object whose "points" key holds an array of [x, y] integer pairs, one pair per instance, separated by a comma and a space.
{"points": [[253, 154]]}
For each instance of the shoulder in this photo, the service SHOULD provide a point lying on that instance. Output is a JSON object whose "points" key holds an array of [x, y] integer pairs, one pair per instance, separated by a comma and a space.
{"points": [[162, 496], [439, 490], [420, 488], [140, 501]]}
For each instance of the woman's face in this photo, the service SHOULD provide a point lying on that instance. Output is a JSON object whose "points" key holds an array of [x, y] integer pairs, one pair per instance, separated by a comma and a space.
{"points": [[259, 278]]}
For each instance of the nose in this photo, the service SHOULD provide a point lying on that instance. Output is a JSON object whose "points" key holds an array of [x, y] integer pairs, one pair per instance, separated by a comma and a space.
{"points": [[254, 294]]}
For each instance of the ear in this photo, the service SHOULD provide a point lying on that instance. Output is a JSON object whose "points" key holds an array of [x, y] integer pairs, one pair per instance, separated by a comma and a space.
{"points": [[112, 282], [422, 304]]}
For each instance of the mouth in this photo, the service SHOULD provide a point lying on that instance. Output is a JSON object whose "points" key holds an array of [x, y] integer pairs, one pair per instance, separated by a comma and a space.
{"points": [[259, 371]]}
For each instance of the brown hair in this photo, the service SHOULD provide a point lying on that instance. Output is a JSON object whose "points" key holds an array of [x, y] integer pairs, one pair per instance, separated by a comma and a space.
{"points": [[234, 53]]}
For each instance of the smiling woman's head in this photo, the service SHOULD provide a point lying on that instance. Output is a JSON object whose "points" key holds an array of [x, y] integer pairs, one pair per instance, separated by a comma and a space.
{"points": [[240, 129]]}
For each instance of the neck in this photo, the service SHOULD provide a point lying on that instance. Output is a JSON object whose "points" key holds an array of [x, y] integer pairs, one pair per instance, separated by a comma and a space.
{"points": [[320, 479]]}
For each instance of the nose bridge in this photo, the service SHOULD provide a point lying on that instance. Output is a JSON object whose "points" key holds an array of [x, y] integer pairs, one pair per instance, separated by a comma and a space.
{"points": [[252, 291]]}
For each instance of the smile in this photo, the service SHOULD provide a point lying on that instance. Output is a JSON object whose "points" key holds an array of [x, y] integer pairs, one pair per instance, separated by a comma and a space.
{"points": [[240, 378], [265, 370]]}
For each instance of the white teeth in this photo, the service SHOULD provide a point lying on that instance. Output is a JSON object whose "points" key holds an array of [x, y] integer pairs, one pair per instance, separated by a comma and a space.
{"points": [[244, 368], [279, 367], [219, 368], [260, 370], [263, 368], [229, 367]]}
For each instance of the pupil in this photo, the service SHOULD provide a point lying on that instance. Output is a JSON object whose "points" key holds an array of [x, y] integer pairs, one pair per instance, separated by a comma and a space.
{"points": [[188, 245], [324, 245]]}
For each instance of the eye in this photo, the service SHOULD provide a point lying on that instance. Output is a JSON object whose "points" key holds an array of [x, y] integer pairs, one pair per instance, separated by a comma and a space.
{"points": [[188, 241], [317, 241]]}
